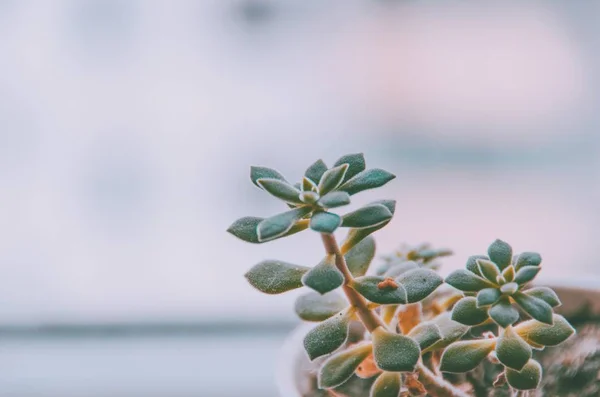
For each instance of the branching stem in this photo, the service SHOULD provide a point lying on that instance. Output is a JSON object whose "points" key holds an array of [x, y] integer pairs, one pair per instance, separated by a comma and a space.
{"points": [[369, 318]]}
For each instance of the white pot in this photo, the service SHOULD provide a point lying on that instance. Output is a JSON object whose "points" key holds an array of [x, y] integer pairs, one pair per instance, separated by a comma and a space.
{"points": [[574, 294]]}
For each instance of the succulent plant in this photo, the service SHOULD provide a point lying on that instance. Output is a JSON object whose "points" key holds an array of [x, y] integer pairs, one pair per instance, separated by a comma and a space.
{"points": [[415, 331]]}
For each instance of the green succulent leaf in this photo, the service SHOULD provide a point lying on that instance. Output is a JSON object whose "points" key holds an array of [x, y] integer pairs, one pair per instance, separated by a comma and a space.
{"points": [[472, 264], [543, 334], [312, 306], [388, 384], [334, 199], [527, 379], [509, 273], [368, 216], [324, 277], [308, 185], [371, 287], [526, 273], [450, 330], [536, 308], [488, 269], [341, 366], [419, 283], [359, 258], [467, 312], [368, 179], [257, 173], [281, 190], [357, 235], [394, 352], [503, 313], [332, 178], [500, 253], [280, 224], [466, 281], [316, 171], [328, 336], [512, 350], [426, 334], [325, 222], [275, 277], [509, 288], [356, 164], [397, 269], [309, 197], [528, 259], [464, 356], [546, 294], [488, 296], [247, 229]]}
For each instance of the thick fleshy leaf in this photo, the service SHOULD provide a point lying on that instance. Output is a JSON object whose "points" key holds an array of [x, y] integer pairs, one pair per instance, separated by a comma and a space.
{"points": [[503, 313], [308, 185], [466, 281], [472, 264], [536, 308], [394, 352], [527, 379], [380, 289], [419, 283], [500, 253], [325, 222], [247, 229], [316, 171], [488, 296], [545, 334], [368, 179], [450, 330], [526, 273], [512, 350], [281, 190], [467, 312], [509, 273], [369, 216], [546, 294], [280, 224], [528, 259], [309, 197], [388, 384], [334, 199], [275, 277], [257, 173], [509, 288], [324, 277], [488, 269], [356, 164], [328, 336], [332, 178], [426, 334], [313, 306], [357, 235], [359, 258], [464, 356], [341, 366]]}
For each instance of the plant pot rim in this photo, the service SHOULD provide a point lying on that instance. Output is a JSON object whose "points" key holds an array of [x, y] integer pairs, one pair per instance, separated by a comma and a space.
{"points": [[579, 290]]}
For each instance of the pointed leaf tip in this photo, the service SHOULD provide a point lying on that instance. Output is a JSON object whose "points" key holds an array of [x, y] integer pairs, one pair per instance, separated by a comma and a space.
{"points": [[257, 173]]}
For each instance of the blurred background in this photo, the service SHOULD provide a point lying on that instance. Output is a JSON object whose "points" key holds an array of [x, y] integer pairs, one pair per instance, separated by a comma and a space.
{"points": [[127, 128]]}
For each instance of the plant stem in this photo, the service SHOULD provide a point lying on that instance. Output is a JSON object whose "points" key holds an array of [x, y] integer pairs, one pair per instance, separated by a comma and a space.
{"points": [[369, 318], [435, 385]]}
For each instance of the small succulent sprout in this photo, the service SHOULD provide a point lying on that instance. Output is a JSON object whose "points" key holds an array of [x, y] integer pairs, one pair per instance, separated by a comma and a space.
{"points": [[394, 352], [498, 280], [388, 384]]}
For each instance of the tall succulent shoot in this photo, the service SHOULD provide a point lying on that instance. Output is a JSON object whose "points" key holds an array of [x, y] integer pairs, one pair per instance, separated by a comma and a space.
{"points": [[411, 338]]}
